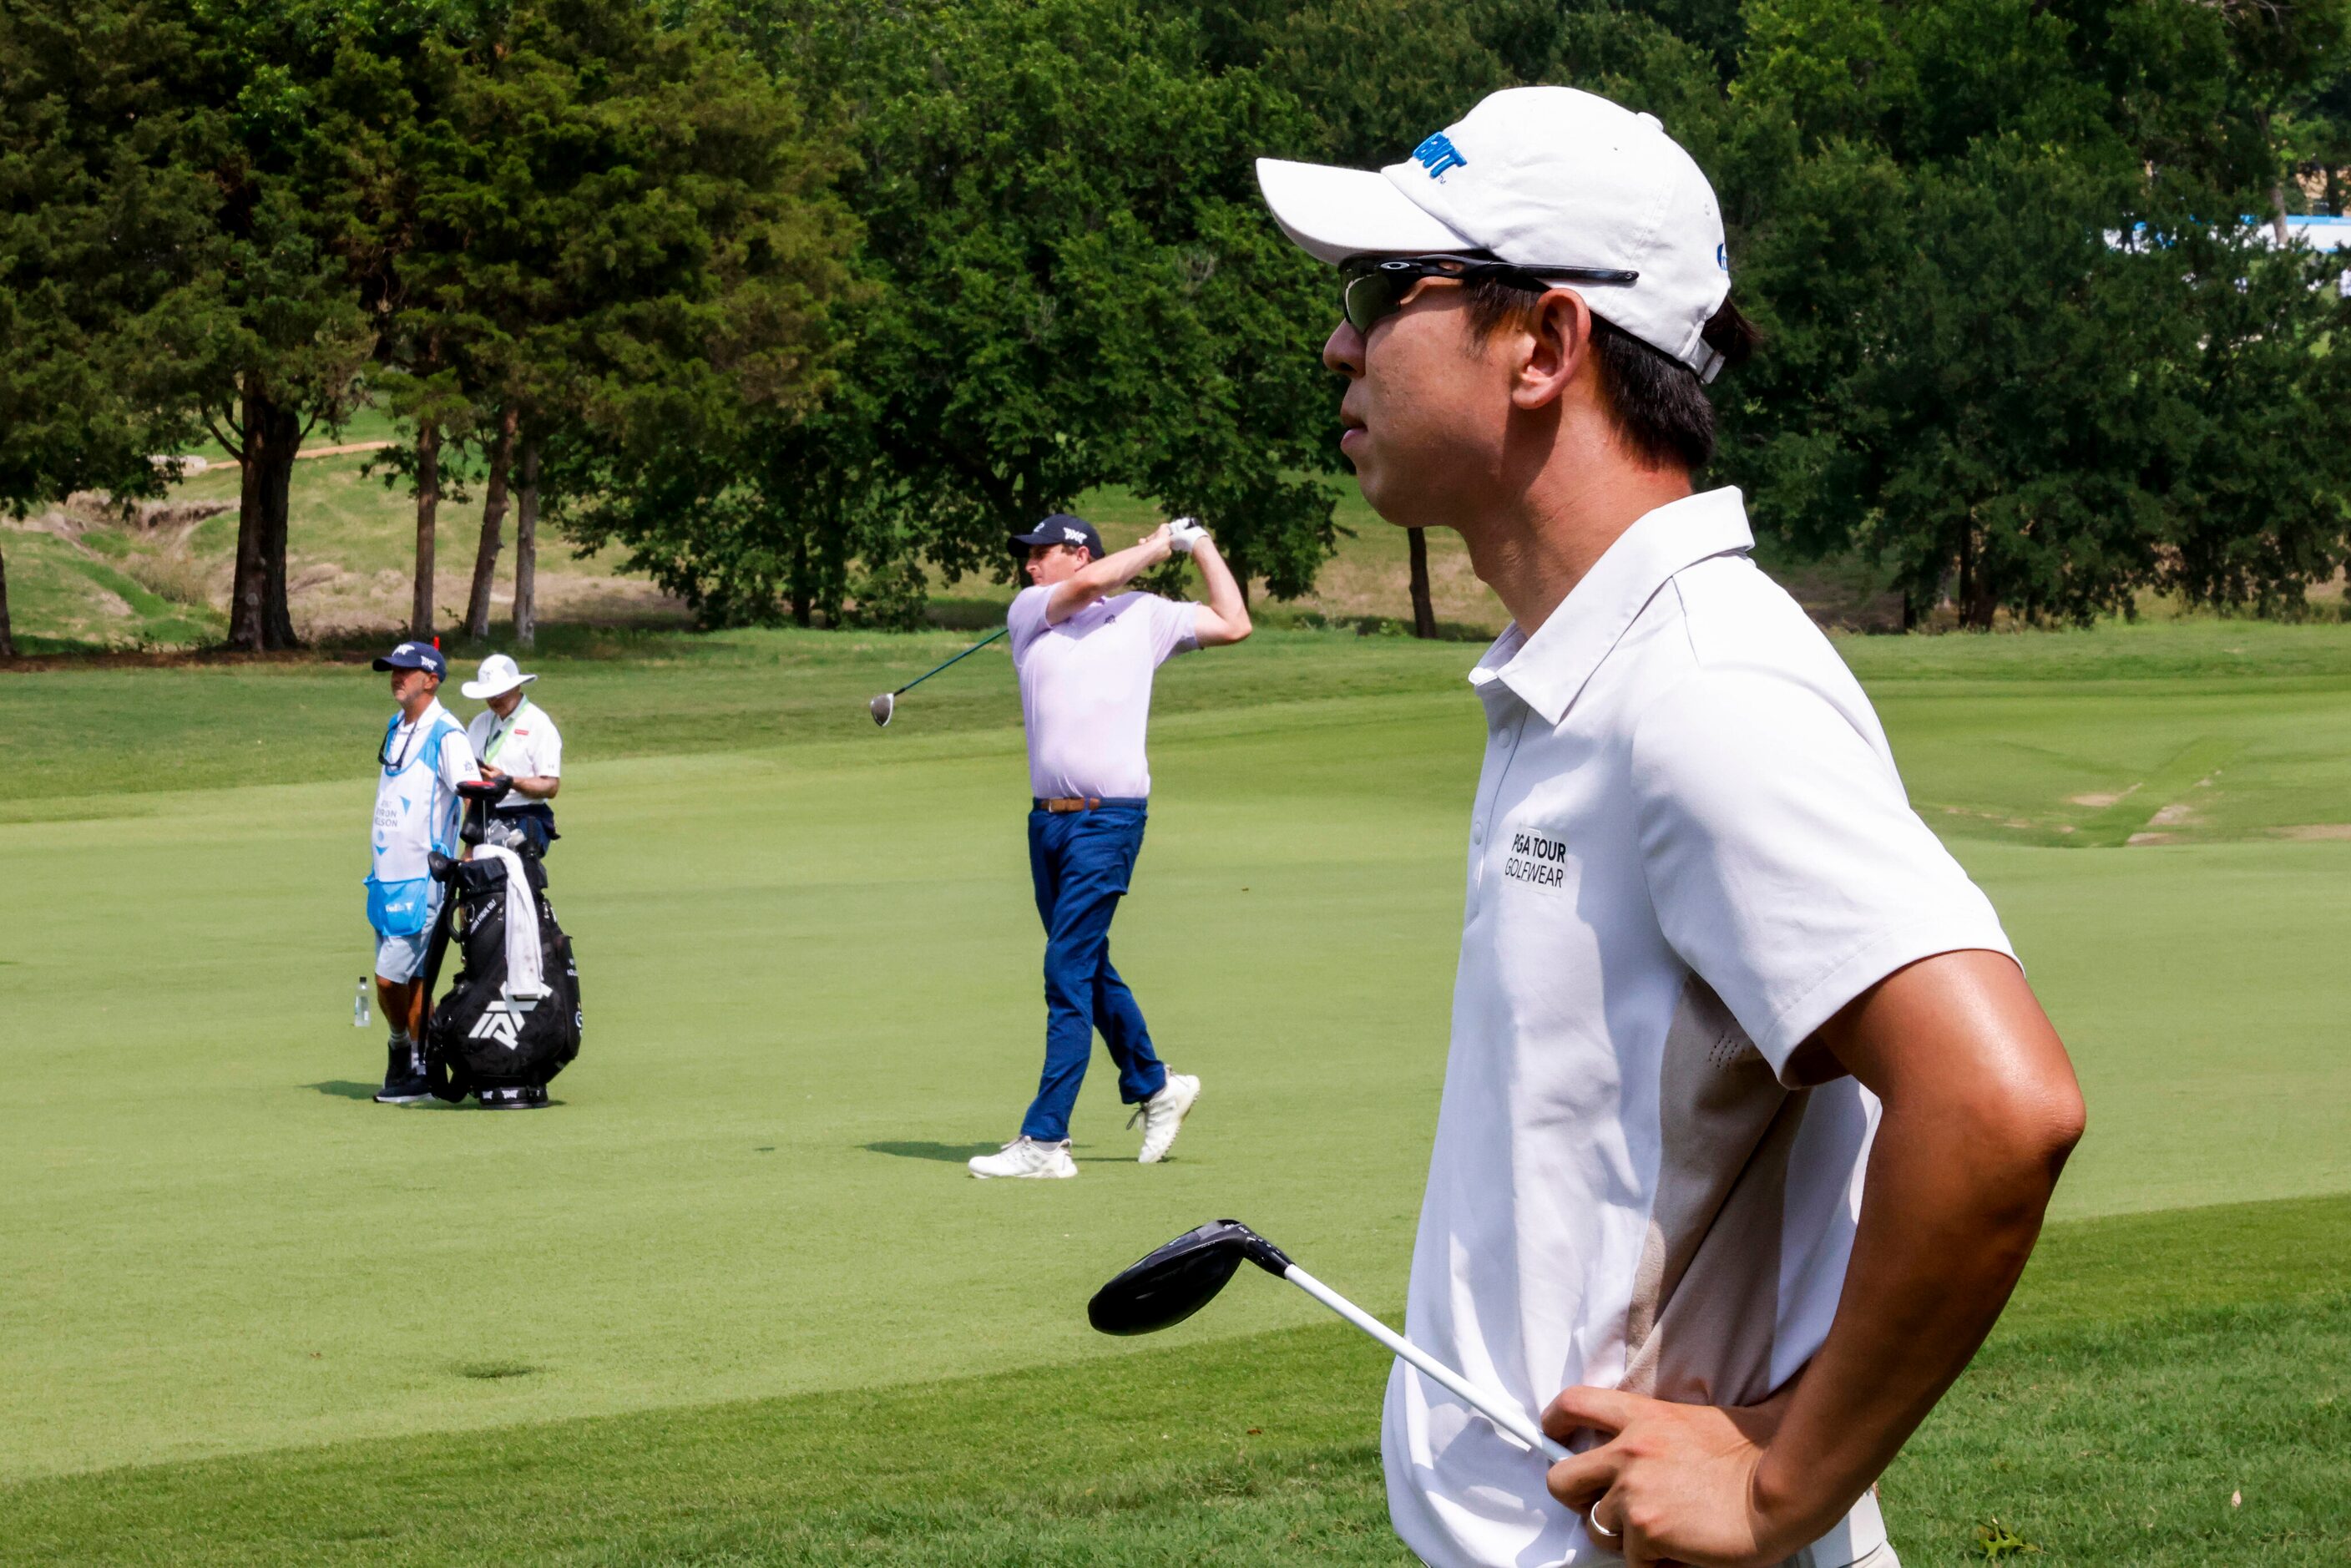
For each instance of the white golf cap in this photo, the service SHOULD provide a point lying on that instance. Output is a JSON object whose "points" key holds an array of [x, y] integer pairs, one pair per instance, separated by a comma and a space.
{"points": [[496, 677], [1541, 177]]}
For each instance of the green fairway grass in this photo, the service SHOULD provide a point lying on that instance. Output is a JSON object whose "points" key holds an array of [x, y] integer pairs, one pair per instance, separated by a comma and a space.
{"points": [[733, 1300], [2153, 1370]]}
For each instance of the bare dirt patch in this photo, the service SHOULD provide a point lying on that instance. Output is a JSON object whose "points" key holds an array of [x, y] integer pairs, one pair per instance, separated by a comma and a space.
{"points": [[2313, 833]]}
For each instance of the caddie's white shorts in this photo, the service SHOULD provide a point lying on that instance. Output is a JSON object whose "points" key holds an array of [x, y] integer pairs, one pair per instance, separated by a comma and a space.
{"points": [[402, 958]]}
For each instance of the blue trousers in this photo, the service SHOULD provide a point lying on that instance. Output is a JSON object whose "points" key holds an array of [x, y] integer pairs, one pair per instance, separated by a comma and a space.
{"points": [[1081, 862]]}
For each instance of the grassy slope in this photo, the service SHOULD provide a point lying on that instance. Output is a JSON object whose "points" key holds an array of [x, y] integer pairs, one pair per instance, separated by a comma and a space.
{"points": [[220, 1249]]}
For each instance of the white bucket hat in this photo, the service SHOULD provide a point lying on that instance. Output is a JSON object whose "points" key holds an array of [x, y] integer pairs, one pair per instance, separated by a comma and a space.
{"points": [[499, 675], [1540, 177]]}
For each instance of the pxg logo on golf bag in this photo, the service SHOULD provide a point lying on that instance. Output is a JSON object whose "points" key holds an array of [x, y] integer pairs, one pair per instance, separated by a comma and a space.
{"points": [[1437, 155], [501, 1020]]}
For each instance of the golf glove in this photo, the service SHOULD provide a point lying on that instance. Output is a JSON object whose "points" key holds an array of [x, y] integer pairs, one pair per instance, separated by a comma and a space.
{"points": [[1184, 533]]}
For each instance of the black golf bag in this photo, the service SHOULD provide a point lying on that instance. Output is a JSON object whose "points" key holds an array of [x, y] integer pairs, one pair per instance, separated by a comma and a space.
{"points": [[480, 1038]]}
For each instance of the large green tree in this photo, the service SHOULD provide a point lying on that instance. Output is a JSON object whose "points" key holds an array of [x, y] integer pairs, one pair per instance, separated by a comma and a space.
{"points": [[1068, 282], [2021, 346], [100, 215]]}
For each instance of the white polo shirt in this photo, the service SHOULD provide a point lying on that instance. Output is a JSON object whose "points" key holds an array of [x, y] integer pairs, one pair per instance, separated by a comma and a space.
{"points": [[1085, 688], [1689, 848], [527, 744]]}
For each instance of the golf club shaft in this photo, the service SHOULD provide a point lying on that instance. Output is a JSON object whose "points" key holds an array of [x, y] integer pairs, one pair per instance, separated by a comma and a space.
{"points": [[1500, 1411], [966, 654]]}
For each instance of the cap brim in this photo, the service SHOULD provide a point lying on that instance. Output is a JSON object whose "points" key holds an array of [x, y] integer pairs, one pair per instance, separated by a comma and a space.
{"points": [[1333, 213]]}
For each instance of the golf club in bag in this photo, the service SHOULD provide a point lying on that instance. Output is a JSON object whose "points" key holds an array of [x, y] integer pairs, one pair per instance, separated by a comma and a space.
{"points": [[1183, 1276], [511, 1022], [882, 706]]}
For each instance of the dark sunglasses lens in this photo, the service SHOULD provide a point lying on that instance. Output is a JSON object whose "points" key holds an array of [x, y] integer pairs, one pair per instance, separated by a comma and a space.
{"points": [[1369, 298]]}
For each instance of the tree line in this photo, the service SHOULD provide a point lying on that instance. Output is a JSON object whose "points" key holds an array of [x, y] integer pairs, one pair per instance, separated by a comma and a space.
{"points": [[801, 303]]}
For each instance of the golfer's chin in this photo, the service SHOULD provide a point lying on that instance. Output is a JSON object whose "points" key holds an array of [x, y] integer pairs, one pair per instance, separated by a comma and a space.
{"points": [[1404, 505]]}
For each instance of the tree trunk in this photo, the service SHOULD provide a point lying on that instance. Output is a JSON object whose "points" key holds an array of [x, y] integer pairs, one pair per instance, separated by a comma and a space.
{"points": [[428, 508], [494, 516], [1424, 611], [2277, 212], [803, 600], [258, 618], [526, 605], [1979, 603], [7, 638]]}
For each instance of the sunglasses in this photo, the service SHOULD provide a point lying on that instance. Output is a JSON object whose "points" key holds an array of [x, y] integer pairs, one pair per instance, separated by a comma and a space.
{"points": [[1372, 289]]}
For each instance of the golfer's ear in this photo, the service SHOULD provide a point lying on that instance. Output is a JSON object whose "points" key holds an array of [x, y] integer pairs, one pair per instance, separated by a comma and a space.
{"points": [[1557, 346]]}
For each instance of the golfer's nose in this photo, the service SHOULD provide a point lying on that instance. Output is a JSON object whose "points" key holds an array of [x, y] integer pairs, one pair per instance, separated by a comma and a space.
{"points": [[1342, 350]]}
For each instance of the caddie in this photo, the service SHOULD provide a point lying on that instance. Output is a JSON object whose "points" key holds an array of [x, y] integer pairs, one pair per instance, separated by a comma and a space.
{"points": [[517, 740], [1086, 652], [1750, 1118], [423, 758]]}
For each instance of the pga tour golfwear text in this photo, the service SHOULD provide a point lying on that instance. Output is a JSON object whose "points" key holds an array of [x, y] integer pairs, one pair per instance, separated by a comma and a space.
{"points": [[1085, 688], [1689, 848]]}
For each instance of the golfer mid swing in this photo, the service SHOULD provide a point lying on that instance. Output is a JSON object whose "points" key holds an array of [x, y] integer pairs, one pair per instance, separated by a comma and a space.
{"points": [[1750, 1118], [1085, 652]]}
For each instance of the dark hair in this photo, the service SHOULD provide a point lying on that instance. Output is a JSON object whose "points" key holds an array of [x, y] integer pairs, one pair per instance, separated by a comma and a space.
{"points": [[1656, 404]]}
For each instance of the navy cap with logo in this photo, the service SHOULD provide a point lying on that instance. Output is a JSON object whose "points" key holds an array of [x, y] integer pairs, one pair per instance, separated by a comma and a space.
{"points": [[415, 656], [1061, 528]]}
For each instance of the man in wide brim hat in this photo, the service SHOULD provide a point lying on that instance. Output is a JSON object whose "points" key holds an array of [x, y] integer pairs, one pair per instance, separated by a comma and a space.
{"points": [[517, 742]]}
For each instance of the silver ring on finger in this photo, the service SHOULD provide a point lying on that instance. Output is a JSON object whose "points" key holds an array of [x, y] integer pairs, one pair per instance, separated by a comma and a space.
{"points": [[1592, 1518]]}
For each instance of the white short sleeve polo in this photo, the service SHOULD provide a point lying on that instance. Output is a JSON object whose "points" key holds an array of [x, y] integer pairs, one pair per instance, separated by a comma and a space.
{"points": [[1085, 688], [526, 744], [1689, 847]]}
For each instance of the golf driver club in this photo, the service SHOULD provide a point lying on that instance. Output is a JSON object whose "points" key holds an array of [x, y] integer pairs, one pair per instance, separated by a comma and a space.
{"points": [[1183, 1276], [882, 706]]}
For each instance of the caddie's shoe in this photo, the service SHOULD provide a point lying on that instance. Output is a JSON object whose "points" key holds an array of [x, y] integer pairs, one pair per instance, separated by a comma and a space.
{"points": [[405, 1080], [1163, 1116], [513, 1097], [1025, 1156]]}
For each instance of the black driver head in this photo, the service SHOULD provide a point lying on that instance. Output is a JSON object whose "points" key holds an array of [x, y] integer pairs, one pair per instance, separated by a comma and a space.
{"points": [[1180, 1278]]}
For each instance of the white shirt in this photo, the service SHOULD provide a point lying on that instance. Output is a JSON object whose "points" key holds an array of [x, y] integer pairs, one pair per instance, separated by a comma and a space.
{"points": [[526, 744], [1689, 848], [1085, 688]]}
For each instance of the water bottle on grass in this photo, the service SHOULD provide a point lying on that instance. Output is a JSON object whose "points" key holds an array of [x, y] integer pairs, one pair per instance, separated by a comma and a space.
{"points": [[360, 1006]]}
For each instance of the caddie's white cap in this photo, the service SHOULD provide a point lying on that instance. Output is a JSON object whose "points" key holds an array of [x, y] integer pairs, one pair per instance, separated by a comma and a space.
{"points": [[499, 675], [1540, 177]]}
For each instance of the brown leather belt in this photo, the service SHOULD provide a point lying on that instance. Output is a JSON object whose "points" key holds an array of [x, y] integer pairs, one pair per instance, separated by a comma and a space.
{"points": [[1069, 804]]}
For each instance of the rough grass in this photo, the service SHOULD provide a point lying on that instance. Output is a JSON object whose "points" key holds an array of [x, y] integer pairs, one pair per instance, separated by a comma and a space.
{"points": [[2135, 1388]]}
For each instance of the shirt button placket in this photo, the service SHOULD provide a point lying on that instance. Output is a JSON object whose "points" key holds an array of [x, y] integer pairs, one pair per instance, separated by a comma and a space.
{"points": [[1508, 741]]}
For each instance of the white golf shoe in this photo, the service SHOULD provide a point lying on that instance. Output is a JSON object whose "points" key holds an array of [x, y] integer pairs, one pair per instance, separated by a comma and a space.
{"points": [[1025, 1156], [1163, 1116]]}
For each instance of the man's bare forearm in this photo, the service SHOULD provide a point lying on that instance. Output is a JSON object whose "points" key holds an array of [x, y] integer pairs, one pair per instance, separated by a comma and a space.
{"points": [[1981, 1111], [1224, 600], [1100, 579]]}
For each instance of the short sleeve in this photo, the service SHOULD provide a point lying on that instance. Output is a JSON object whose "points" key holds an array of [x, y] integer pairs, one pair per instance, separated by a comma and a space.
{"points": [[457, 764], [1175, 628], [550, 754], [1785, 862], [1026, 619]]}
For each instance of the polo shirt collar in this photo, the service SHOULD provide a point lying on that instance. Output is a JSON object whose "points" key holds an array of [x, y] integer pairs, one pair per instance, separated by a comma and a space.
{"points": [[1548, 670]]}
